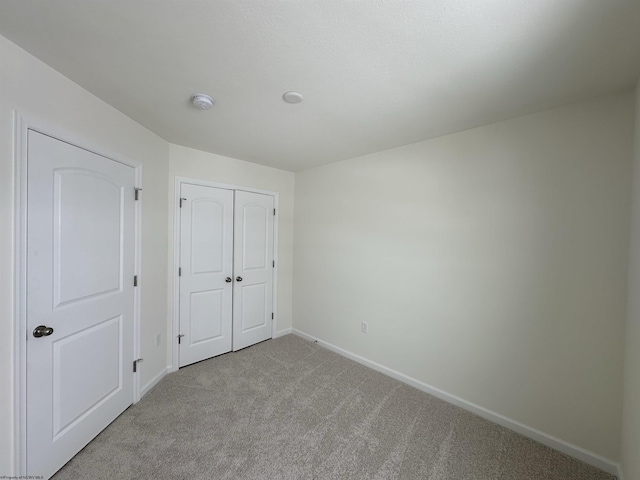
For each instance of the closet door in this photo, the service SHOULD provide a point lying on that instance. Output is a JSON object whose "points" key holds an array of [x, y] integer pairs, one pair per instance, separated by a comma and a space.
{"points": [[206, 264], [253, 269]]}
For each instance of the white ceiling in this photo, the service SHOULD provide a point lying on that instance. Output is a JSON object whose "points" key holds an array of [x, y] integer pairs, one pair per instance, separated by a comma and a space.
{"points": [[375, 74]]}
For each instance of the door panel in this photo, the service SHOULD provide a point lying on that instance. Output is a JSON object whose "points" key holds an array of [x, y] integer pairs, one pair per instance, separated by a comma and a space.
{"points": [[80, 267], [84, 250], [207, 305], [207, 221], [92, 383], [254, 303], [253, 262], [206, 259], [254, 232]]}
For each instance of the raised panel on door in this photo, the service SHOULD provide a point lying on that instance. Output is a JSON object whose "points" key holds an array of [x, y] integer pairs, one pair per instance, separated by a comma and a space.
{"points": [[207, 304], [80, 267], [253, 265], [253, 308], [93, 382], [81, 245], [206, 256]]}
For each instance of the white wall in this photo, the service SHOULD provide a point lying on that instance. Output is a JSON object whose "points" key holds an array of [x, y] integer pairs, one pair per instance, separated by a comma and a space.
{"points": [[631, 415], [187, 162], [32, 88], [491, 264]]}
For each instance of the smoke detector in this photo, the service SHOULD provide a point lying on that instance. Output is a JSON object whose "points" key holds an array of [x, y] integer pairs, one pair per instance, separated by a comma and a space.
{"points": [[292, 97], [202, 101]]}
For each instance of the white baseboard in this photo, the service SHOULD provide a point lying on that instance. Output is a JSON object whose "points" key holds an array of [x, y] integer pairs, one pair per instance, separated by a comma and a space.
{"points": [[570, 449], [282, 333], [154, 381], [620, 473]]}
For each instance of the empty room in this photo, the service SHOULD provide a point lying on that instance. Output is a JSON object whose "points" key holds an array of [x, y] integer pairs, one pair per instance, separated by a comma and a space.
{"points": [[320, 240]]}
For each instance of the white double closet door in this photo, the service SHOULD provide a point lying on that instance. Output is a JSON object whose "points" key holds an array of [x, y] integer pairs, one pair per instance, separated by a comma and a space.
{"points": [[226, 270]]}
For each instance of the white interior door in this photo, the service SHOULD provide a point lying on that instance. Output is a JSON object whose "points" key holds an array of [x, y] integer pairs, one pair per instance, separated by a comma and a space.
{"points": [[206, 264], [80, 298], [253, 269]]}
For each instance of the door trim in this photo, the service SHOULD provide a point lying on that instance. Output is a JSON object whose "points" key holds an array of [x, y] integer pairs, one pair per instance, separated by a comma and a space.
{"points": [[175, 311], [22, 124]]}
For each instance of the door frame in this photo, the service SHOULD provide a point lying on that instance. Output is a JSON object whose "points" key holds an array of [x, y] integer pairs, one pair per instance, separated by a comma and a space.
{"points": [[22, 124], [176, 255]]}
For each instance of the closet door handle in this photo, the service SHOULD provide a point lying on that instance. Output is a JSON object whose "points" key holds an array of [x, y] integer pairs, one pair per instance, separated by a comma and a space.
{"points": [[228, 279], [238, 279]]}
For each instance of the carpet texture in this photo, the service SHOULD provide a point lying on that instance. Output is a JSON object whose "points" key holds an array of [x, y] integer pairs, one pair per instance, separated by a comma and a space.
{"points": [[290, 409]]}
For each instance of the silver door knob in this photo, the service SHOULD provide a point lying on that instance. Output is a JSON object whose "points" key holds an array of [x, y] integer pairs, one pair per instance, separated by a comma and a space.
{"points": [[42, 331], [238, 279], [228, 279]]}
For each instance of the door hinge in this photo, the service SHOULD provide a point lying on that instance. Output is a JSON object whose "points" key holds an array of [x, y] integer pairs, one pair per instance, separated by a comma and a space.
{"points": [[135, 364], [271, 315], [137, 190], [179, 271], [180, 339], [181, 200], [273, 264], [274, 211], [135, 280]]}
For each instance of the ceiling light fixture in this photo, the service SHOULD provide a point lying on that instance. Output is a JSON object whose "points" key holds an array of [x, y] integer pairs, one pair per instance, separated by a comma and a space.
{"points": [[202, 101], [292, 97]]}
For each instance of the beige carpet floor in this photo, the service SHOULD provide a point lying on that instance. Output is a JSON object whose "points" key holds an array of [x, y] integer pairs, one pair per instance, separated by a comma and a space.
{"points": [[290, 409]]}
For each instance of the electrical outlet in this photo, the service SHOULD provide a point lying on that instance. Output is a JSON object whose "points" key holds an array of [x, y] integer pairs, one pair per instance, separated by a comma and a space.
{"points": [[364, 327], [158, 339]]}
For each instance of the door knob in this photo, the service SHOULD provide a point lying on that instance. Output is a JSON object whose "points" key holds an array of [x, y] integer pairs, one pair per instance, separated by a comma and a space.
{"points": [[42, 331], [238, 279], [228, 279]]}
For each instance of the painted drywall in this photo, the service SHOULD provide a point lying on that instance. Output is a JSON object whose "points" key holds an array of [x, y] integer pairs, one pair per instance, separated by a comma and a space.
{"points": [[631, 410], [34, 89], [187, 162], [491, 264], [375, 74]]}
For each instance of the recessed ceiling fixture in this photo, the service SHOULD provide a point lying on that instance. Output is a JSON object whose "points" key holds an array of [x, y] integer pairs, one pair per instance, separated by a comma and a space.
{"points": [[200, 100], [292, 97]]}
